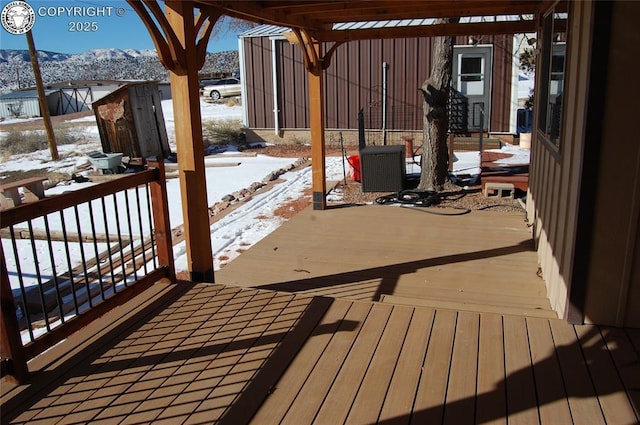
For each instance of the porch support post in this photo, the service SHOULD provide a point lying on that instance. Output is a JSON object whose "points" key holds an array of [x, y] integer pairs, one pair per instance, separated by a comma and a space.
{"points": [[315, 64], [188, 127], [181, 37], [316, 119]]}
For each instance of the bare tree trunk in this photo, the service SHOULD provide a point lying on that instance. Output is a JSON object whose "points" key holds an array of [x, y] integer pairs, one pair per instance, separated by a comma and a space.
{"points": [[435, 90]]}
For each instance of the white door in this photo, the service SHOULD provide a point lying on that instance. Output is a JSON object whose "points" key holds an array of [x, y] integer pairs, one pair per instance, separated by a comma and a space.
{"points": [[471, 81]]}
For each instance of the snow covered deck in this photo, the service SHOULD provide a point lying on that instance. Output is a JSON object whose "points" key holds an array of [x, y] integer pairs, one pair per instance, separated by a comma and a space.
{"points": [[313, 345]]}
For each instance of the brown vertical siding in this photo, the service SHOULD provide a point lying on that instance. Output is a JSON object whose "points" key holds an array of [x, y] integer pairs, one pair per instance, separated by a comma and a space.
{"points": [[259, 82], [501, 86], [293, 86], [581, 213], [613, 286], [354, 81]]}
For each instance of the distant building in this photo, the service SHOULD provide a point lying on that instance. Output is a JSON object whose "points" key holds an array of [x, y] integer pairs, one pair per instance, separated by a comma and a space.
{"points": [[380, 77], [64, 98]]}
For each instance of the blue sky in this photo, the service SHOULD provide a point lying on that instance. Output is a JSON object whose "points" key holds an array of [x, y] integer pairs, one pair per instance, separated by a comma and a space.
{"points": [[56, 31]]}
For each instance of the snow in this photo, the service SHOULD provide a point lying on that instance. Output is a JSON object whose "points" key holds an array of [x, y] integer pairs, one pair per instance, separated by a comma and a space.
{"points": [[233, 234], [225, 173], [468, 163]]}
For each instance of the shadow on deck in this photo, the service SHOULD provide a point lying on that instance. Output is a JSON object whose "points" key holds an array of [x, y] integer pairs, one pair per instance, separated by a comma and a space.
{"points": [[484, 261], [203, 353], [212, 353]]}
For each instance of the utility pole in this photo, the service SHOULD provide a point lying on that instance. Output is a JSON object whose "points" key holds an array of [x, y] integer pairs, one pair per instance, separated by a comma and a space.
{"points": [[42, 99]]}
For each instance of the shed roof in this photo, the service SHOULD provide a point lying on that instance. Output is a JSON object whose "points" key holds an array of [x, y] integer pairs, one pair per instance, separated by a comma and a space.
{"points": [[24, 94]]}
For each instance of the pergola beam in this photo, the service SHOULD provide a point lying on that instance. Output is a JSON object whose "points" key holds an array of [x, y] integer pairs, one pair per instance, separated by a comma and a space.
{"points": [[479, 28]]}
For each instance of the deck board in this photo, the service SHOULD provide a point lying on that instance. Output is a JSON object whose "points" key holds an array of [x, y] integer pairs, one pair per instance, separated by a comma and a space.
{"points": [[485, 258], [337, 404], [625, 358], [461, 388], [228, 355], [463, 334], [432, 388], [491, 405], [281, 397], [611, 393], [582, 399], [310, 398], [520, 386], [375, 384], [554, 408], [401, 393]]}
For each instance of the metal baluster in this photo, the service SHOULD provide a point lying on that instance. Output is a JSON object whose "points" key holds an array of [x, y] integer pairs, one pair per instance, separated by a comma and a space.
{"points": [[95, 249], [23, 292], [152, 236], [106, 230], [38, 276], [142, 241], [83, 259], [69, 266], [120, 245], [133, 251], [53, 268]]}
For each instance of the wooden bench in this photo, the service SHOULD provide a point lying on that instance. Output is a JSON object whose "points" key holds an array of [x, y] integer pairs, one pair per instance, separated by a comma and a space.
{"points": [[32, 189]]}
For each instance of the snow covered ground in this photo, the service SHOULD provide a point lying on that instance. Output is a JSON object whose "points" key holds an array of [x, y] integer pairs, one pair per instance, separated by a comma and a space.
{"points": [[231, 235], [235, 233]]}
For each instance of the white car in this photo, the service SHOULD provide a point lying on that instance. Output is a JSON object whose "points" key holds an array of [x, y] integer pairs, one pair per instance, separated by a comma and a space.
{"points": [[222, 88]]}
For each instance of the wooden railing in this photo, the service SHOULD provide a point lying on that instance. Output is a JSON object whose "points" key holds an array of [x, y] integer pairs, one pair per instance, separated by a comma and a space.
{"points": [[67, 259]]}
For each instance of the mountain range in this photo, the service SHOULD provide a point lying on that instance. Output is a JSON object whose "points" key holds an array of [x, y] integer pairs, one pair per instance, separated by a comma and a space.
{"points": [[99, 64]]}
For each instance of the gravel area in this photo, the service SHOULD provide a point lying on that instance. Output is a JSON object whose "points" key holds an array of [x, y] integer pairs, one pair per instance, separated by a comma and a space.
{"points": [[453, 197]]}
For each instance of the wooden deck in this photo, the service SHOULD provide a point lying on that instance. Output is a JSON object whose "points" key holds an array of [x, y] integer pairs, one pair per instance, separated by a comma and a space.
{"points": [[484, 261], [208, 353], [314, 344]]}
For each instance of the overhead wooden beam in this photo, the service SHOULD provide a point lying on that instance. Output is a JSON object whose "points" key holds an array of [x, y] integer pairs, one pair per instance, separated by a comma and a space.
{"points": [[315, 15], [425, 10], [481, 28], [261, 12]]}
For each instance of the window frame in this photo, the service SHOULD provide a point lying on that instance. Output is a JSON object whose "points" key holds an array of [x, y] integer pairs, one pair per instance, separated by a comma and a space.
{"points": [[545, 125]]}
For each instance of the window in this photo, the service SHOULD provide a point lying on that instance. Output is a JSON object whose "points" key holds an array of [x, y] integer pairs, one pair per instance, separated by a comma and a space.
{"points": [[471, 69], [552, 74]]}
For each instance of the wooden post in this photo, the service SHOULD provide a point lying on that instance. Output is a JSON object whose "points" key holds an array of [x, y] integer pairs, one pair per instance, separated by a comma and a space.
{"points": [[185, 92], [316, 118], [10, 340], [161, 224], [42, 99]]}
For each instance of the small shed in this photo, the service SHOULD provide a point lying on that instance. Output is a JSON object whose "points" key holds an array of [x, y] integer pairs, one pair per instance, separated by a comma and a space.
{"points": [[21, 103], [130, 121]]}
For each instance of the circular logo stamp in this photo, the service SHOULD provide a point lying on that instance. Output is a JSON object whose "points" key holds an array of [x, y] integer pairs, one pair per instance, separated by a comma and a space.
{"points": [[17, 17]]}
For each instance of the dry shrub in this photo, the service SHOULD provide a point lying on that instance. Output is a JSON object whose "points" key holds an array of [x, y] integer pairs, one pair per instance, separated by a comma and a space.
{"points": [[223, 132]]}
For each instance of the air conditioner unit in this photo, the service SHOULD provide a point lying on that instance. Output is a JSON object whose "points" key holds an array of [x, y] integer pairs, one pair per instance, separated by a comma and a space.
{"points": [[383, 168]]}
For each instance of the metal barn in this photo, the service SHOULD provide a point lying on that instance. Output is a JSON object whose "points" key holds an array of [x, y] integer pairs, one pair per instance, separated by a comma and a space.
{"points": [[381, 77]]}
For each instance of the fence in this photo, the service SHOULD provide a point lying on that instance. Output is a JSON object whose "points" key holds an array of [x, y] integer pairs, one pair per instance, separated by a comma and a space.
{"points": [[69, 258]]}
